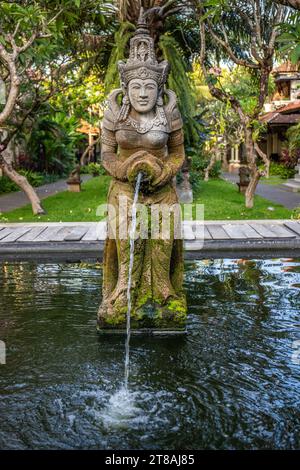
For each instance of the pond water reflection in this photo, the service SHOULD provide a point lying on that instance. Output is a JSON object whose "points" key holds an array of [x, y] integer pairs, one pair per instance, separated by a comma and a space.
{"points": [[231, 383]]}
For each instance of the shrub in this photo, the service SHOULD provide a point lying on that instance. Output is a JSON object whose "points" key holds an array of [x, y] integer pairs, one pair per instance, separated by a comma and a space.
{"points": [[199, 163], [94, 169], [290, 159], [279, 169], [296, 213], [33, 177]]}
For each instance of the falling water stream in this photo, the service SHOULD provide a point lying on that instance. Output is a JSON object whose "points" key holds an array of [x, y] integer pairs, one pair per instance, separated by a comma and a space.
{"points": [[131, 259]]}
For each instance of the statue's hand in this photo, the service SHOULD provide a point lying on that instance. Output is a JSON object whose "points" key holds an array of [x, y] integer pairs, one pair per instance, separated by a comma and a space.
{"points": [[124, 168], [164, 177], [150, 166]]}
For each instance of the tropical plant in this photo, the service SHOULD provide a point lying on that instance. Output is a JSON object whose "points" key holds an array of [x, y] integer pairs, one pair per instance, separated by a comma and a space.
{"points": [[52, 142], [289, 38], [180, 82], [293, 135], [39, 44]]}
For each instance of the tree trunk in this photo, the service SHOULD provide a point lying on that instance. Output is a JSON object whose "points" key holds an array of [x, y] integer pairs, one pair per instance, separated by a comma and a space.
{"points": [[210, 165], [88, 150], [255, 174], [23, 184], [265, 159], [250, 191]]}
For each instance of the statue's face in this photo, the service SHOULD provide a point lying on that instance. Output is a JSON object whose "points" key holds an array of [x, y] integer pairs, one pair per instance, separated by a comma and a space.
{"points": [[142, 94]]}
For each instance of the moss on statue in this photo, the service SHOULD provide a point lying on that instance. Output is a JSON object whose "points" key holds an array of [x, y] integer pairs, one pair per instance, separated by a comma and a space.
{"points": [[151, 314]]}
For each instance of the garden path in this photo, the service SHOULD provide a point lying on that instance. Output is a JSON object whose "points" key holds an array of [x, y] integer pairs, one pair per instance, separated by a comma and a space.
{"points": [[273, 192], [14, 200]]}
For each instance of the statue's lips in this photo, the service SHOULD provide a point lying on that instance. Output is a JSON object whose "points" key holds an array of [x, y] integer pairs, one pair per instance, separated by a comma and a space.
{"points": [[143, 102]]}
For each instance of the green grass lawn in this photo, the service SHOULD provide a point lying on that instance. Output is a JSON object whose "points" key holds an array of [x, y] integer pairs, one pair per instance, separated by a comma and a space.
{"points": [[221, 200], [66, 206]]}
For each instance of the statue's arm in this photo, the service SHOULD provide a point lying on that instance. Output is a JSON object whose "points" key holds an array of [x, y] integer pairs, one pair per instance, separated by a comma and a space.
{"points": [[175, 158], [176, 151], [109, 157]]}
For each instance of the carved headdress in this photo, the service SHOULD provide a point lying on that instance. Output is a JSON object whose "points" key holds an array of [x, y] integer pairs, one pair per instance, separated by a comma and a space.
{"points": [[142, 62]]}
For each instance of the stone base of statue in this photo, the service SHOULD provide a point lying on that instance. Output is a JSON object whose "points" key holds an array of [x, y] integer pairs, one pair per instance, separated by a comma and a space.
{"points": [[150, 319], [143, 332], [74, 187]]}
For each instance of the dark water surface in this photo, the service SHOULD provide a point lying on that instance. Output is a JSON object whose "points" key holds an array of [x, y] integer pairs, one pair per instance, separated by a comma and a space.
{"points": [[232, 383]]}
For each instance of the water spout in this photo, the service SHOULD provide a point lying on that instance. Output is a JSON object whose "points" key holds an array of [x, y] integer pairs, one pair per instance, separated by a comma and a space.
{"points": [[131, 259]]}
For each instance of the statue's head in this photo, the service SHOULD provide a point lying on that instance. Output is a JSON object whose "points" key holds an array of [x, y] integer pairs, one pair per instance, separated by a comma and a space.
{"points": [[142, 77], [143, 94]]}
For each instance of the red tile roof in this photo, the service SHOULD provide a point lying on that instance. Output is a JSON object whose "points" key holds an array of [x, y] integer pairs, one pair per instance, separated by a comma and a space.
{"points": [[278, 118], [283, 114], [293, 106]]}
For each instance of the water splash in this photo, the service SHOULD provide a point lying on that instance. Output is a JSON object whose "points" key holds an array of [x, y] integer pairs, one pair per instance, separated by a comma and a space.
{"points": [[120, 410], [131, 259]]}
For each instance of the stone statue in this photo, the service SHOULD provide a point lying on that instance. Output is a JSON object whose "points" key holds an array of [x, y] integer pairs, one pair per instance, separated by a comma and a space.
{"points": [[74, 181], [74, 176], [142, 132]]}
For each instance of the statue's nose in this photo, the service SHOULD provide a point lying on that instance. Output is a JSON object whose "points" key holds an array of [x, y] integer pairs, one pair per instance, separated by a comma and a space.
{"points": [[143, 93]]}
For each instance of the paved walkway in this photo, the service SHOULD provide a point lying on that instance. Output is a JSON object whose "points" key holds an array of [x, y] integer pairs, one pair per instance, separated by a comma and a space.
{"points": [[274, 192], [213, 239], [11, 201]]}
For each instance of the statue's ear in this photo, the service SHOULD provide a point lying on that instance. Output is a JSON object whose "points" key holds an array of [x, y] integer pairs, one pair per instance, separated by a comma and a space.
{"points": [[160, 97], [121, 68]]}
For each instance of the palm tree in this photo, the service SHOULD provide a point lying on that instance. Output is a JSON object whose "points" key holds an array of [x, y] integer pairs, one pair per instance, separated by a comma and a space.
{"points": [[156, 12]]}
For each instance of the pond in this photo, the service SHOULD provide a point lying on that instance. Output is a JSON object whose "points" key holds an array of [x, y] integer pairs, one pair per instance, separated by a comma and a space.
{"points": [[233, 382]]}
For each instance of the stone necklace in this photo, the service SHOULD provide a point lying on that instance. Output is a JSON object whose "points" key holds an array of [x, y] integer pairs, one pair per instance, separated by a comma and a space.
{"points": [[143, 128]]}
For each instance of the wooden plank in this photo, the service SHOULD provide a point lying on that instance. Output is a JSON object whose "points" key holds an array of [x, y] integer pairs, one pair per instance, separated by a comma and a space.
{"points": [[234, 231], [200, 230], [293, 225], [17, 233], [207, 235], [31, 235], [281, 231], [188, 232], [272, 231], [60, 235], [217, 232], [46, 235], [241, 232], [76, 234], [91, 234], [264, 230], [6, 232], [101, 231], [250, 232]]}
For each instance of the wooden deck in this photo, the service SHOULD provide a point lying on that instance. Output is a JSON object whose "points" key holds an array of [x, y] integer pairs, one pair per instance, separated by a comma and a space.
{"points": [[213, 239]]}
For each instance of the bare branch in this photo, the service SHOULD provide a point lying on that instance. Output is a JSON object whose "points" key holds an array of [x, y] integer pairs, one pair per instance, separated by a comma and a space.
{"points": [[227, 48], [16, 29]]}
